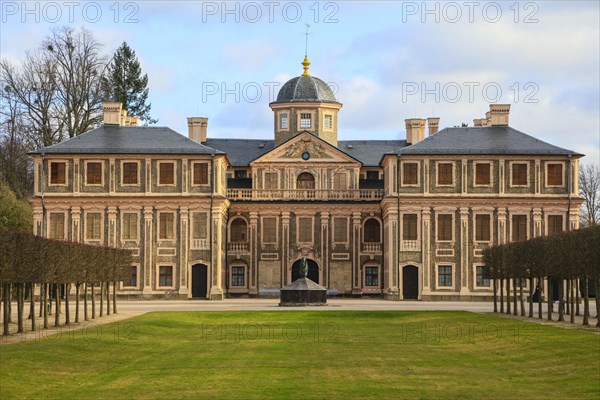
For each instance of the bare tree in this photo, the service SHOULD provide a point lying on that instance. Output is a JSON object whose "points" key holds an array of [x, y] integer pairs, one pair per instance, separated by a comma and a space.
{"points": [[589, 190]]}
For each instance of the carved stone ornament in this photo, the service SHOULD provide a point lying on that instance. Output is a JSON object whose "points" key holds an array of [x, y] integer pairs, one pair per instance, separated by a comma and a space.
{"points": [[315, 149]]}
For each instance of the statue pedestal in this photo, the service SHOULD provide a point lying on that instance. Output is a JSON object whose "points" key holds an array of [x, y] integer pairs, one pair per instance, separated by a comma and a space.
{"points": [[303, 292]]}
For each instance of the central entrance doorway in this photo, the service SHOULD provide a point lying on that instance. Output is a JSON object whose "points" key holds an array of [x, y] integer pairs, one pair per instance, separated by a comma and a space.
{"points": [[199, 280], [410, 282], [313, 270]]}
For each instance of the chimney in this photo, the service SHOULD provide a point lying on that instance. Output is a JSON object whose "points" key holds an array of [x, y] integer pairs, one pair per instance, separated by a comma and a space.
{"points": [[131, 121], [498, 114], [480, 122], [197, 129], [433, 124], [415, 130], [112, 113]]}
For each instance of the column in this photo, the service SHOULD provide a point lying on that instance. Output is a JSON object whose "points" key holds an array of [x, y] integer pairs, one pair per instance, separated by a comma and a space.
{"points": [[426, 248], [112, 175], [216, 265], [285, 246], [463, 176], [325, 248], [38, 215], [501, 225], [390, 249], [148, 250], [465, 250], [183, 250], [76, 176], [112, 226], [501, 176], [253, 239], [537, 222], [76, 224], [356, 276]]}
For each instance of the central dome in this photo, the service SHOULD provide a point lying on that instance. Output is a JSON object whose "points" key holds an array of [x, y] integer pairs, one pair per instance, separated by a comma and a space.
{"points": [[306, 88]]}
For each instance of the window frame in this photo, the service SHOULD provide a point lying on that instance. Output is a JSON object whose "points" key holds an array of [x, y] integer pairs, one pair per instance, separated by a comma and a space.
{"points": [[300, 120], [490, 227], [325, 127], [511, 170], [158, 222], [138, 178], [438, 266], [452, 226], [193, 169], [193, 225], [364, 230], [490, 177], [264, 179], [280, 116], [547, 222], [137, 278], [159, 274], [244, 276], [137, 225], [86, 163], [402, 182], [527, 225], [158, 167], [376, 275], [334, 223], [437, 174], [547, 174], [417, 230], [262, 229], [312, 228], [49, 225], [476, 275], [66, 163], [86, 214], [230, 230]]}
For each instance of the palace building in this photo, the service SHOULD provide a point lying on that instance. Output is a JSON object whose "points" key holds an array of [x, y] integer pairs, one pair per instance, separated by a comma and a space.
{"points": [[401, 218]]}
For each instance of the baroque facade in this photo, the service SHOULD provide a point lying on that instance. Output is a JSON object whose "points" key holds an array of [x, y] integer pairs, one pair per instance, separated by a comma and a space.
{"points": [[208, 217]]}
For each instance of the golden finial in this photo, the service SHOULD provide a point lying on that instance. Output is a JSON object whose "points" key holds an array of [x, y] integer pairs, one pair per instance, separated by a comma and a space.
{"points": [[305, 65]]}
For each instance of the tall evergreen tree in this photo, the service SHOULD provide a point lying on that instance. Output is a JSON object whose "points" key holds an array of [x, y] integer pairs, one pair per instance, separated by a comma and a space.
{"points": [[126, 84]]}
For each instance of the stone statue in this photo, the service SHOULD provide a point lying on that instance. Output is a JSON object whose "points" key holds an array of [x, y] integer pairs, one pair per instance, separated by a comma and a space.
{"points": [[304, 268]]}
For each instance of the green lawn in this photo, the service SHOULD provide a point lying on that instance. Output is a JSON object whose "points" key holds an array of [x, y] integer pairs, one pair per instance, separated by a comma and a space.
{"points": [[307, 355]]}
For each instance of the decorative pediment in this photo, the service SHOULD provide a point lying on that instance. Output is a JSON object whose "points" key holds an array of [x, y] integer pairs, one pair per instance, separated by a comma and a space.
{"points": [[305, 147]]}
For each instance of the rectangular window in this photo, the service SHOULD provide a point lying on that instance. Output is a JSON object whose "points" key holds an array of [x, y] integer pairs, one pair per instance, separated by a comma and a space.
{"points": [[445, 172], [129, 226], [371, 276], [482, 174], [132, 280], [482, 227], [238, 276], [166, 173], [305, 120], [555, 224], [519, 174], [340, 230], [409, 227], [328, 122], [482, 281], [57, 226], [130, 173], [339, 181], [373, 175], [240, 174], [269, 230], [270, 180], [410, 173], [444, 228], [165, 276], [283, 121], [200, 173], [445, 275], [305, 230], [519, 228], [199, 222], [92, 226], [58, 173], [93, 173], [555, 175], [165, 229]]}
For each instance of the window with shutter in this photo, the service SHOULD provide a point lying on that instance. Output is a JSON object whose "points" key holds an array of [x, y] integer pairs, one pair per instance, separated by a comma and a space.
{"points": [[445, 173], [555, 224], [166, 173], [482, 227], [482, 174], [519, 174], [372, 231], [57, 226], [340, 230], [93, 173], [519, 228], [409, 227], [555, 175], [200, 173], [166, 228], [444, 228], [269, 230], [130, 173], [410, 173], [239, 230], [339, 181], [199, 223], [129, 226], [305, 230], [271, 180], [58, 175], [93, 226]]}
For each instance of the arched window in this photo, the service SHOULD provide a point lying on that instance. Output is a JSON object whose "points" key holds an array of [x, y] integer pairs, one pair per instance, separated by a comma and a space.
{"points": [[239, 230], [372, 232], [305, 181]]}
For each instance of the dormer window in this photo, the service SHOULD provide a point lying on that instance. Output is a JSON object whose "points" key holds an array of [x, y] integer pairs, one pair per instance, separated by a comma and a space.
{"points": [[328, 121], [305, 120]]}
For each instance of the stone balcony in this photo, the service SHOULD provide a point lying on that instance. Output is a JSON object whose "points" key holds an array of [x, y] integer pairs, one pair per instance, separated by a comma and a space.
{"points": [[371, 247], [304, 194], [238, 247]]}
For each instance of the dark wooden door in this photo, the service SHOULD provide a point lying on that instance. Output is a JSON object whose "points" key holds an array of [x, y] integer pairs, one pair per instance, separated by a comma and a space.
{"points": [[410, 282], [199, 280]]}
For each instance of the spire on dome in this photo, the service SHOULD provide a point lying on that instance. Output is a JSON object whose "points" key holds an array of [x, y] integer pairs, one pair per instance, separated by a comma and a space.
{"points": [[305, 65]]}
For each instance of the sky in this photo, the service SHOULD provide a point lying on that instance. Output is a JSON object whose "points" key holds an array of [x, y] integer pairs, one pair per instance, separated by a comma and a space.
{"points": [[385, 60]]}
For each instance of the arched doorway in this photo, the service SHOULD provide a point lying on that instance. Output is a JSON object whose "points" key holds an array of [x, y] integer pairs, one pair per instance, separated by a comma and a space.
{"points": [[410, 282], [199, 281], [313, 270], [305, 180]]}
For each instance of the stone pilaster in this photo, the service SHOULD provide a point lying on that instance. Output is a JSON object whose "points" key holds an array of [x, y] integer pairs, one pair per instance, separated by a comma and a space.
{"points": [[38, 215], [216, 267], [76, 176], [501, 225], [183, 250], [356, 275], [285, 247], [254, 245], [426, 249], [325, 247], [112, 175], [112, 227], [148, 250], [465, 251], [537, 222], [76, 224]]}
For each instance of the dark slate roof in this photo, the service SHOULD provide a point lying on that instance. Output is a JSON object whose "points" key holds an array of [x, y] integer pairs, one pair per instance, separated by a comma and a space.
{"points": [[241, 151], [129, 140], [369, 152], [305, 88], [484, 140]]}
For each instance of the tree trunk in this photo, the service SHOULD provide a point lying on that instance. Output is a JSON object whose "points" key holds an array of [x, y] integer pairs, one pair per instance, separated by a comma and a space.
{"points": [[5, 299], [540, 283], [549, 299], [508, 296], [597, 297], [522, 304], [107, 298], [577, 295], [561, 302], [10, 320], [32, 307], [495, 284], [42, 291], [514, 284], [101, 298], [586, 301], [572, 298], [57, 302], [502, 296], [46, 288], [20, 304], [67, 311], [85, 301], [114, 297], [531, 297], [77, 285], [93, 302]]}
